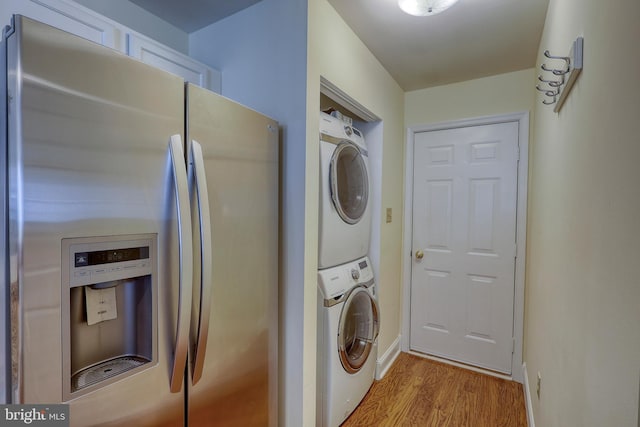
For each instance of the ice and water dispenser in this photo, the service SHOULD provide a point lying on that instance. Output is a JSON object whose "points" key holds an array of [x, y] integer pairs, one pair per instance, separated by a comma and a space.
{"points": [[108, 310]]}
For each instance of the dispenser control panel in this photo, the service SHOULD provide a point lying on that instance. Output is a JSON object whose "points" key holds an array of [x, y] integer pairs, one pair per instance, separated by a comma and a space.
{"points": [[84, 259], [104, 261]]}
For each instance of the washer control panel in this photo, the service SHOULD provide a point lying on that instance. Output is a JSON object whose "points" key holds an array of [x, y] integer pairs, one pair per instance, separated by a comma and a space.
{"points": [[335, 281]]}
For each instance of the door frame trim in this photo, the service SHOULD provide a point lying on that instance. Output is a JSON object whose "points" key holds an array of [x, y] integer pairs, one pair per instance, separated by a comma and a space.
{"points": [[522, 118]]}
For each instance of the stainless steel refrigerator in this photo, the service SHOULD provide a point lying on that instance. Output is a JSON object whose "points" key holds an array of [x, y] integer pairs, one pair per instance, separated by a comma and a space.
{"points": [[140, 230]]}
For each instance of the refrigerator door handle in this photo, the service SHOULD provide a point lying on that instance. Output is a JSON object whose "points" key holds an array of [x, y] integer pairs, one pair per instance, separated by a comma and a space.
{"points": [[206, 284], [186, 265]]}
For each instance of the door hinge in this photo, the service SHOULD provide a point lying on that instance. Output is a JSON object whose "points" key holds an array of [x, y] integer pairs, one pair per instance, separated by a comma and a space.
{"points": [[513, 345], [518, 153]]}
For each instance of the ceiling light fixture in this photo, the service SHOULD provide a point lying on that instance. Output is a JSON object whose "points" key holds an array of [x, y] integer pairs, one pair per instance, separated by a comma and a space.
{"points": [[425, 7]]}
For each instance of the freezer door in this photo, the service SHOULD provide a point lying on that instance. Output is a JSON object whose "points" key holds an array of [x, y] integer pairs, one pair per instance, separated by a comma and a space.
{"points": [[236, 375], [89, 158]]}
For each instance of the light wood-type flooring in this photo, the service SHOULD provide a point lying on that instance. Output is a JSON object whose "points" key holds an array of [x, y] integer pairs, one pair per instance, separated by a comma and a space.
{"points": [[421, 392]]}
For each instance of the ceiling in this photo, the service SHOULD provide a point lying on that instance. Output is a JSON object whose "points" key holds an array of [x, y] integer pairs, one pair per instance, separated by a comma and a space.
{"points": [[472, 39]]}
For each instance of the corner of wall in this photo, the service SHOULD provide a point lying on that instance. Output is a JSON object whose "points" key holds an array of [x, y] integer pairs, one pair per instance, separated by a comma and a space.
{"points": [[390, 355]]}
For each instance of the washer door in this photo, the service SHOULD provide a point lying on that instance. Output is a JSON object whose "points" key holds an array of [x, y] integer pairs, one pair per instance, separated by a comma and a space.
{"points": [[358, 329], [349, 182]]}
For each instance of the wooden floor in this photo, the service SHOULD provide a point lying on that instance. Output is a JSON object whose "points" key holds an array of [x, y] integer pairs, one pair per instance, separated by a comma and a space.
{"points": [[421, 392]]}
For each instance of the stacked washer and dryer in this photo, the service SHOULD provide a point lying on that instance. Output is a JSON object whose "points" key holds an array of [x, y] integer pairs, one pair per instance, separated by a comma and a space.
{"points": [[348, 313]]}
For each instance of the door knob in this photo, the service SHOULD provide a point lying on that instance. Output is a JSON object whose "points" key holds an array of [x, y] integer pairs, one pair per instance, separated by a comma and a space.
{"points": [[419, 254]]}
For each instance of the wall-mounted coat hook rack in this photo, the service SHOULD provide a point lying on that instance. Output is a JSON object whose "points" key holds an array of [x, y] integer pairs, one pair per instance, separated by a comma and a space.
{"points": [[552, 83], [563, 75]]}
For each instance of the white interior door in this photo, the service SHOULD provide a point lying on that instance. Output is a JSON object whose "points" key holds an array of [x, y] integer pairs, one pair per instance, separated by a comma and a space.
{"points": [[464, 244]]}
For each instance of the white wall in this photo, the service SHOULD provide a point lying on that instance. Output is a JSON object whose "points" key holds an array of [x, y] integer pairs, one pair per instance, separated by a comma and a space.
{"points": [[261, 52], [500, 94], [582, 326], [138, 19]]}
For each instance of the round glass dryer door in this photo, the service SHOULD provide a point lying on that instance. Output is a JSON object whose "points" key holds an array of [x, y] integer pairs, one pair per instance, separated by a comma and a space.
{"points": [[358, 329], [349, 182]]}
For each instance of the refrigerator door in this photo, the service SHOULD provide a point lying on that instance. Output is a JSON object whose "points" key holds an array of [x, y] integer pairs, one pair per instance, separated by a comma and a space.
{"points": [[5, 334], [236, 375], [90, 164]]}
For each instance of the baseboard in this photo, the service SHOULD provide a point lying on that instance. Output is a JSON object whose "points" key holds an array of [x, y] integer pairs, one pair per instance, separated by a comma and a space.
{"points": [[527, 396], [384, 363]]}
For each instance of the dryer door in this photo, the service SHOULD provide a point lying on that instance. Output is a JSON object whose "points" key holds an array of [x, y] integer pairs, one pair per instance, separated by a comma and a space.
{"points": [[349, 182], [358, 329]]}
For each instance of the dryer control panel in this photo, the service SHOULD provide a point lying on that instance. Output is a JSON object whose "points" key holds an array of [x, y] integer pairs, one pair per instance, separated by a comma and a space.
{"points": [[335, 128]]}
